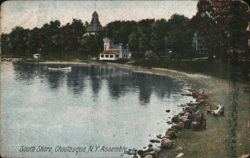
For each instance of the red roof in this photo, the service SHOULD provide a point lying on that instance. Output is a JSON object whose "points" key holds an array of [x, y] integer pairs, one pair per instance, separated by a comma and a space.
{"points": [[111, 51]]}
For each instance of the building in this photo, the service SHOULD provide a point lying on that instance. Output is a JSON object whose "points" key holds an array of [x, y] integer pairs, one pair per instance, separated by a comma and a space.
{"points": [[114, 52], [94, 26], [199, 44]]}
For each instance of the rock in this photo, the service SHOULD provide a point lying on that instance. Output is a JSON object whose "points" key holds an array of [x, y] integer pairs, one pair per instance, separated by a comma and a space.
{"points": [[165, 137], [171, 134], [173, 129], [159, 136], [150, 147], [180, 155], [177, 126], [175, 119], [245, 156], [155, 141], [167, 110], [148, 156], [169, 122], [166, 144], [179, 149], [181, 124]]}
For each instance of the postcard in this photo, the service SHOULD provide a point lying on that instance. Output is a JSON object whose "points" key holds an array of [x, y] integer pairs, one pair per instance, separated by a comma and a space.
{"points": [[149, 79]]}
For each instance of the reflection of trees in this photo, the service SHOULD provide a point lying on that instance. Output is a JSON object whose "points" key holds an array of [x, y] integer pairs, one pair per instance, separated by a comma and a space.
{"points": [[75, 80], [118, 85], [144, 83], [163, 86], [25, 72], [54, 79], [95, 73], [119, 82]]}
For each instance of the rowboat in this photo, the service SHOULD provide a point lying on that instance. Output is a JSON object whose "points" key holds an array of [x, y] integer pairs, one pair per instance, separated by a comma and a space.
{"points": [[59, 68]]}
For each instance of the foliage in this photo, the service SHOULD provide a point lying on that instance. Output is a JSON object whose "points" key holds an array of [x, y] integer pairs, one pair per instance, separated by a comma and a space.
{"points": [[223, 25], [179, 36]]}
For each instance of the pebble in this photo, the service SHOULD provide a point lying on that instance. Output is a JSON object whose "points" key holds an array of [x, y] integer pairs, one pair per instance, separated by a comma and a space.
{"points": [[159, 136], [180, 155], [154, 141], [179, 148]]}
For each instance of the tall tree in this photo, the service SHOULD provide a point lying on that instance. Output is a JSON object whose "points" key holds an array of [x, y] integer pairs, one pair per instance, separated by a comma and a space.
{"points": [[230, 19], [144, 32], [133, 41], [203, 25], [159, 29], [179, 36]]}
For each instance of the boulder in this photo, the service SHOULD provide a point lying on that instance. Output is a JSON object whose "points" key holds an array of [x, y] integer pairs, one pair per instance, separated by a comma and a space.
{"points": [[148, 156], [155, 141], [179, 149], [159, 136], [175, 119], [171, 134], [177, 126], [245, 156], [166, 144], [180, 155]]}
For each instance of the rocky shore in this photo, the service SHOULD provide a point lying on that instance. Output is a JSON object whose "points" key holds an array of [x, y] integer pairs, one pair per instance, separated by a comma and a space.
{"points": [[190, 118]]}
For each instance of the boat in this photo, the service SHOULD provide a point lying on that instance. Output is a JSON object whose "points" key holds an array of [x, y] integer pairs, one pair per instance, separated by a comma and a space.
{"points": [[59, 68]]}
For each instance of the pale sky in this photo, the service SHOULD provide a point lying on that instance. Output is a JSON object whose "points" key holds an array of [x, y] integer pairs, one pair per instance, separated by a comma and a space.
{"points": [[30, 14]]}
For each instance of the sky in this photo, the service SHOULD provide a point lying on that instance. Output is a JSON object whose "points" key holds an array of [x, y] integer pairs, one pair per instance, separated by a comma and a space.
{"points": [[30, 14]]}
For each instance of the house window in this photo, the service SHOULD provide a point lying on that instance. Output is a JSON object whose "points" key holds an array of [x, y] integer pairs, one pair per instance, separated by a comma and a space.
{"points": [[102, 56], [111, 56], [106, 56]]}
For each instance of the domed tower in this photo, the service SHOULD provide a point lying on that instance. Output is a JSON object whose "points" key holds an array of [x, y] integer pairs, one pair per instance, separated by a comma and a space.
{"points": [[95, 25]]}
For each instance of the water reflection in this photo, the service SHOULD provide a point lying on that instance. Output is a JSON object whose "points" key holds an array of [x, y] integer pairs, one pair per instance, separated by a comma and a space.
{"points": [[26, 72], [75, 80], [119, 81]]}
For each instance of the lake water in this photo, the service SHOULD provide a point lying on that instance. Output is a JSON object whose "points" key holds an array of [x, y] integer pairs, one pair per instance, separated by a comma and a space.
{"points": [[89, 106]]}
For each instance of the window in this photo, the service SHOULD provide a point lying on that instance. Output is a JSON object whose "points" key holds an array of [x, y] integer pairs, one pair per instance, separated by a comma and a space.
{"points": [[106, 56], [117, 56], [102, 56], [111, 56]]}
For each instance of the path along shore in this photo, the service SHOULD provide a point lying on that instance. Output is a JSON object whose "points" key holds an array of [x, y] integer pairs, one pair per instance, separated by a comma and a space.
{"points": [[225, 136]]}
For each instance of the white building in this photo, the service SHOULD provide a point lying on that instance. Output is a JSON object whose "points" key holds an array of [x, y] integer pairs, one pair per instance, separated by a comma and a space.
{"points": [[114, 52]]}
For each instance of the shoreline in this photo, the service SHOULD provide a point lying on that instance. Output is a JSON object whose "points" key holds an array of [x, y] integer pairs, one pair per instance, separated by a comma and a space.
{"points": [[215, 89]]}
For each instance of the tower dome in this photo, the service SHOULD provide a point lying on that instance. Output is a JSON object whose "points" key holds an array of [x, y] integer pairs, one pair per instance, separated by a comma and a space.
{"points": [[95, 25]]}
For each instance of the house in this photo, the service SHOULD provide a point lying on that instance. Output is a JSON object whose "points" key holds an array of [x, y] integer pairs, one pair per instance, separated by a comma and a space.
{"points": [[199, 44], [114, 52]]}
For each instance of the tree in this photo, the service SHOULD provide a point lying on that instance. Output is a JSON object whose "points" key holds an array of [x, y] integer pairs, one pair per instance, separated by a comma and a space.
{"points": [[159, 29], [119, 31], [144, 31], [203, 25], [133, 41], [229, 19], [91, 45], [179, 36]]}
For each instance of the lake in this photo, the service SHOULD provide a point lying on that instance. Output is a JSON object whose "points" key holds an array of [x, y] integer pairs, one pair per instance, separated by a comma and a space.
{"points": [[88, 107]]}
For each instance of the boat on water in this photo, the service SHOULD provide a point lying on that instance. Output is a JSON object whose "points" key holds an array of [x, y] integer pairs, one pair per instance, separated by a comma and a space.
{"points": [[59, 68]]}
